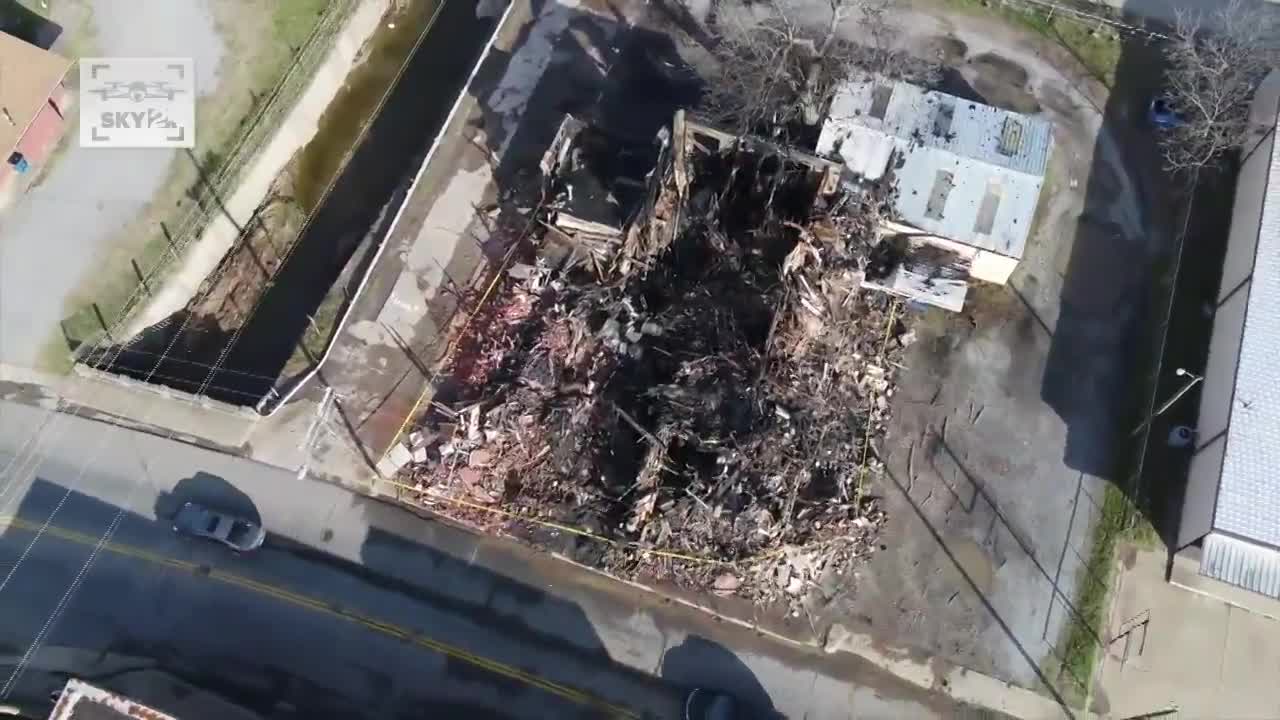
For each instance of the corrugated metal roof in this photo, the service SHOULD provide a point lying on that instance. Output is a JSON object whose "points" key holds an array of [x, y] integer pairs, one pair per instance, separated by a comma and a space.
{"points": [[1241, 563], [27, 75], [1249, 491], [994, 160]]}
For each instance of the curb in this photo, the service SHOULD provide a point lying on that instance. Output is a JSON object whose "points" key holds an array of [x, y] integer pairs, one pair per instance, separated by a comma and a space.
{"points": [[956, 682]]}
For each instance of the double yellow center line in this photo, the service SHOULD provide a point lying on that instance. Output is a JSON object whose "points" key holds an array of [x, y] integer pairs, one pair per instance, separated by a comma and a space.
{"points": [[319, 606]]}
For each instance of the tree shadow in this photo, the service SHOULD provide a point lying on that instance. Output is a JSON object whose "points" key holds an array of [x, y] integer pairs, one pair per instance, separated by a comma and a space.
{"points": [[1111, 277]]}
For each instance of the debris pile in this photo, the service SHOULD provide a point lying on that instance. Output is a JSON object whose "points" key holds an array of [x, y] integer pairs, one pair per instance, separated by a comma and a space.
{"points": [[922, 268], [707, 383]]}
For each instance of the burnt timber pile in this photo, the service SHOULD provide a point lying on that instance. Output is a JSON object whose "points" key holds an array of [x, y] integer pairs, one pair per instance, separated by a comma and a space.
{"points": [[686, 362]]}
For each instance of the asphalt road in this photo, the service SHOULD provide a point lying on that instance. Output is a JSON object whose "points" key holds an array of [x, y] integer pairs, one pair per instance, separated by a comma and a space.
{"points": [[286, 623], [353, 608], [276, 626]]}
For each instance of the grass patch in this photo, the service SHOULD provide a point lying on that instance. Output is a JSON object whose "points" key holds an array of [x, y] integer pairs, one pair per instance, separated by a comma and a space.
{"points": [[1071, 667], [292, 21], [1122, 521], [1119, 523], [273, 48], [1080, 647], [1098, 49]]}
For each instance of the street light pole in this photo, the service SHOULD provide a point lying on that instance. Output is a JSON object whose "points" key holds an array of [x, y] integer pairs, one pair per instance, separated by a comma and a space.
{"points": [[1186, 388], [1180, 372]]}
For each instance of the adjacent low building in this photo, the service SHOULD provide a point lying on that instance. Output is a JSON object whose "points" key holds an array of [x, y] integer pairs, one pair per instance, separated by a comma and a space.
{"points": [[33, 103], [967, 175], [1231, 509]]}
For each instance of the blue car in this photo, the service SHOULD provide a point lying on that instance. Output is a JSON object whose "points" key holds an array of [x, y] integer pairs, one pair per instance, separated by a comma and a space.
{"points": [[1161, 114]]}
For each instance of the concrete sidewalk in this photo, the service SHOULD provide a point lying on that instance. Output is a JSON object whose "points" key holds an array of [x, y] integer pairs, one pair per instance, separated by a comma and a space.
{"points": [[1172, 649], [459, 573]]}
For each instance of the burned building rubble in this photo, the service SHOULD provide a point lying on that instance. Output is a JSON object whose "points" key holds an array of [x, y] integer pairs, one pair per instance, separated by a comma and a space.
{"points": [[602, 179], [708, 377], [919, 269]]}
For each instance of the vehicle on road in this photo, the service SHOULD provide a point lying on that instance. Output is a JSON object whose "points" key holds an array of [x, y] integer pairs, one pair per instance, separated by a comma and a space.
{"points": [[704, 704], [236, 533]]}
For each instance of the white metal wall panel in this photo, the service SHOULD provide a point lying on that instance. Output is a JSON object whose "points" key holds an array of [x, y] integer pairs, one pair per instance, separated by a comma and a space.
{"points": [[1201, 492], [1241, 563], [1220, 373]]}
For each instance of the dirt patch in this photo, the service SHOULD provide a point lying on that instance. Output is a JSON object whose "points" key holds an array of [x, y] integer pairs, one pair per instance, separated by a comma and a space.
{"points": [[229, 295], [947, 49], [1002, 82], [192, 341]]}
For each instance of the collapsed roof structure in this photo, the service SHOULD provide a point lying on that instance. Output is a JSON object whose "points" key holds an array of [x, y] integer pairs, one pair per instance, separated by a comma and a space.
{"points": [[967, 175]]}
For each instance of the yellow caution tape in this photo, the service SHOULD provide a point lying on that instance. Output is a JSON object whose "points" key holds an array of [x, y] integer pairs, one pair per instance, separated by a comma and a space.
{"points": [[866, 434], [625, 544], [454, 337]]}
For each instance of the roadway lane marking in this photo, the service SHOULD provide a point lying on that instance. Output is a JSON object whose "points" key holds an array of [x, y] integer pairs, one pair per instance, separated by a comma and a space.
{"points": [[319, 606]]}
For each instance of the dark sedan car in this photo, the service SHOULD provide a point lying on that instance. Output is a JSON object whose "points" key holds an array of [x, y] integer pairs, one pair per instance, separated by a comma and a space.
{"points": [[236, 533]]}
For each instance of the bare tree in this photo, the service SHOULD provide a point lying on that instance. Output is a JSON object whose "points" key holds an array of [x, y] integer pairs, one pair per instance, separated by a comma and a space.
{"points": [[780, 67], [1216, 61]]}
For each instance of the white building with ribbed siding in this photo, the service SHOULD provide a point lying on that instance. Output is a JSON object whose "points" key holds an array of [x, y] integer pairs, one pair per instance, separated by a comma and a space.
{"points": [[1231, 509]]}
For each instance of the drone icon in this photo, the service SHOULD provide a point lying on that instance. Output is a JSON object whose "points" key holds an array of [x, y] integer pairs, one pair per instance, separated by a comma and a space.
{"points": [[137, 91]]}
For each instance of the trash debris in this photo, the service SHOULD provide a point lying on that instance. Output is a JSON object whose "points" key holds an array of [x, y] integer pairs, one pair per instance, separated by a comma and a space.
{"points": [[726, 584], [709, 384]]}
